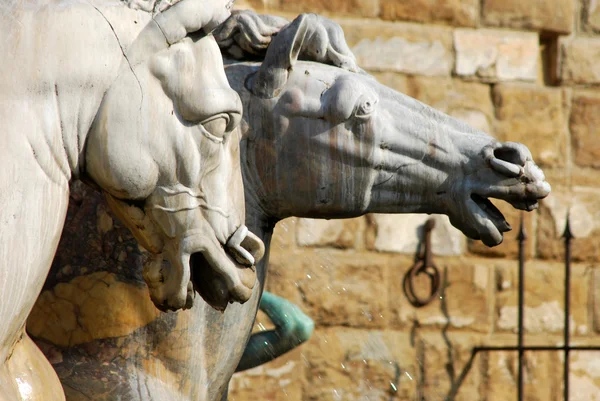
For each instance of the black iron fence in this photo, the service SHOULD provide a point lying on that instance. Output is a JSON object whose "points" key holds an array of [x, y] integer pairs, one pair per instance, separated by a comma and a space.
{"points": [[425, 265]]}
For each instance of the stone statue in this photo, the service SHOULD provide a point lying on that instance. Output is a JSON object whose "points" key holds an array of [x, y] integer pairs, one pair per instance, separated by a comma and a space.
{"points": [[137, 104], [321, 139]]}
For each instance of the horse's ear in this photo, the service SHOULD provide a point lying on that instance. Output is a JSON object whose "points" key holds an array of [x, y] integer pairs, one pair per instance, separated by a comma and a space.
{"points": [[281, 56]]}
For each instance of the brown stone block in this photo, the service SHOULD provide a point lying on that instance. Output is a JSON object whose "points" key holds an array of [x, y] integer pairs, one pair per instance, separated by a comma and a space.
{"points": [[284, 235], [584, 123], [402, 233], [591, 15], [584, 377], [541, 15], [336, 233], [359, 8], [278, 380], [542, 376], [444, 357], [400, 47], [494, 55], [544, 298], [580, 61], [463, 304], [452, 12], [583, 207], [333, 287], [534, 116], [509, 248], [398, 82], [350, 364], [467, 101]]}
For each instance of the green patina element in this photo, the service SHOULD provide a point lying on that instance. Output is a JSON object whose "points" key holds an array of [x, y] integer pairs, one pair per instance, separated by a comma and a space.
{"points": [[292, 328]]}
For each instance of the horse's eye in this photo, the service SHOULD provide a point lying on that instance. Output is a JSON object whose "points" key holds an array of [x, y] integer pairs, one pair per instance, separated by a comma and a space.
{"points": [[365, 107]]}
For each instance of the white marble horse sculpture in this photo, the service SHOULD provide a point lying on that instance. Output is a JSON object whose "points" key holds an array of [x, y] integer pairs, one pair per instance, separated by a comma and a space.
{"points": [[320, 140], [136, 103]]}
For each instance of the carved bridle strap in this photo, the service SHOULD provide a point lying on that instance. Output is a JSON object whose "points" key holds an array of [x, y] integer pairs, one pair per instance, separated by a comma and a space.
{"points": [[178, 198]]}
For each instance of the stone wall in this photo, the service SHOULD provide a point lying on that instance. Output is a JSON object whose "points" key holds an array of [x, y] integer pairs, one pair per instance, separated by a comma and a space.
{"points": [[523, 70]]}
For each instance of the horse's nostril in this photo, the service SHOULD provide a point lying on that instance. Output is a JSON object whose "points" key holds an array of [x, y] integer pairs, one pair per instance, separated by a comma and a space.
{"points": [[513, 152]]}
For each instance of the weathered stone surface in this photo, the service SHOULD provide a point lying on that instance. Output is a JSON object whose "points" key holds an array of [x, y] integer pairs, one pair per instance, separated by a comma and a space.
{"points": [[542, 376], [583, 208], [579, 61], [334, 288], [403, 233], [595, 295], [349, 364], [544, 295], [400, 47], [335, 233], [284, 235], [444, 355], [278, 380], [534, 116], [494, 55], [467, 101], [542, 15], [584, 123], [453, 12], [360, 8], [592, 15], [584, 377], [73, 302], [462, 302], [393, 80]]}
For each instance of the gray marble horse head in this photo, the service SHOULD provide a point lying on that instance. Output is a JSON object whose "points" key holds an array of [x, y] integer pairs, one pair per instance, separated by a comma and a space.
{"points": [[325, 141], [164, 148]]}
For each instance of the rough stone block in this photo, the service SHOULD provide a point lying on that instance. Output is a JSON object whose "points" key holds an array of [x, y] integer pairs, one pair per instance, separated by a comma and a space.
{"points": [[584, 375], [278, 380], [350, 364], [333, 287], [284, 234], [583, 207], [534, 116], [400, 47], [544, 298], [333, 233], [452, 12], [467, 101], [584, 123], [592, 15], [359, 8], [542, 376], [462, 303], [541, 15], [398, 82], [495, 55], [444, 355], [402, 233], [580, 61]]}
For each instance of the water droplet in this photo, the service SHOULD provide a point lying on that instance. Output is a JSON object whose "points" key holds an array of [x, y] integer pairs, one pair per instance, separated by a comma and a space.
{"points": [[409, 376], [393, 386], [308, 275], [344, 288], [261, 327], [343, 366]]}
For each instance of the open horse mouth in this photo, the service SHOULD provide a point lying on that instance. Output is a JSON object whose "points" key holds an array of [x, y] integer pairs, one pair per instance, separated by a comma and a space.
{"points": [[219, 286], [220, 273], [510, 175]]}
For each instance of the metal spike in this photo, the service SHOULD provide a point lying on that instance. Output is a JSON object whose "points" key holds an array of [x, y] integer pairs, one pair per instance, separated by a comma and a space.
{"points": [[568, 234], [521, 236]]}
